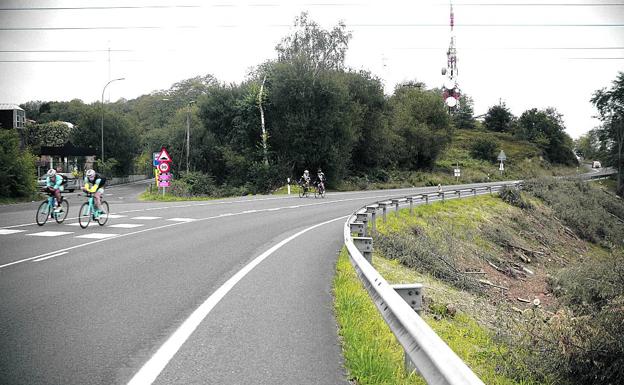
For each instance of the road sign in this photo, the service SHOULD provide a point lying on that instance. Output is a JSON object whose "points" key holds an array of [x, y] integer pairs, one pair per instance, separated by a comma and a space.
{"points": [[166, 176], [164, 156], [164, 167], [457, 172], [501, 156], [155, 161], [164, 183], [501, 167]]}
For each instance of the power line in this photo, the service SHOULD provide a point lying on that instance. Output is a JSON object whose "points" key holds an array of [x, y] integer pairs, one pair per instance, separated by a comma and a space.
{"points": [[94, 28], [97, 8]]}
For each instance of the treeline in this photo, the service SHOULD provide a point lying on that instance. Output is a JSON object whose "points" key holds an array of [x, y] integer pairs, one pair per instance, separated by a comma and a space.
{"points": [[318, 114]]}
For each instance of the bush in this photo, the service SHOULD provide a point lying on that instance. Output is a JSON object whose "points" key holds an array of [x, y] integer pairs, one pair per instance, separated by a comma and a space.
{"points": [[17, 168], [485, 149], [514, 197]]}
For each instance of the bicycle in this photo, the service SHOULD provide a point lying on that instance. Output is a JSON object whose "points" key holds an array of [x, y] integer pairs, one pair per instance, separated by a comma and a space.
{"points": [[46, 210], [319, 190], [303, 190], [89, 212]]}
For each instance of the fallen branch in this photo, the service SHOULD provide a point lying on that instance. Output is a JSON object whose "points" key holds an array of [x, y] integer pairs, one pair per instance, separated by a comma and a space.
{"points": [[486, 282], [523, 300]]}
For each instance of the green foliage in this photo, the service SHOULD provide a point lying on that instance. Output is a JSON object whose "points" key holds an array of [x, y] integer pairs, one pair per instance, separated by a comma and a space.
{"points": [[484, 149], [514, 197], [463, 118], [594, 215], [54, 134], [499, 118], [546, 129], [610, 105], [17, 171]]}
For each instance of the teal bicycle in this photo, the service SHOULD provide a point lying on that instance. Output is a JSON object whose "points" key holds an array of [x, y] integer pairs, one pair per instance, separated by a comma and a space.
{"points": [[46, 210], [89, 212]]}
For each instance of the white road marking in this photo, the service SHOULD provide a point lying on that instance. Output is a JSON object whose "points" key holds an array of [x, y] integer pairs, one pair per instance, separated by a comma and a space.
{"points": [[97, 236], [126, 225], [50, 233], [155, 365], [116, 216], [250, 211], [72, 224], [50, 256], [145, 218], [181, 219], [7, 231]]}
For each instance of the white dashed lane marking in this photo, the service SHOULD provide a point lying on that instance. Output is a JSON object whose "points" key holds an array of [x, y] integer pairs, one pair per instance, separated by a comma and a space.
{"points": [[8, 231], [181, 219], [97, 236], [126, 225], [51, 233], [146, 218], [116, 216]]}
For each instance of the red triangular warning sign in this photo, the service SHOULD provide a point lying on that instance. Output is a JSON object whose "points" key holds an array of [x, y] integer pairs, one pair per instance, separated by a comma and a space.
{"points": [[164, 155]]}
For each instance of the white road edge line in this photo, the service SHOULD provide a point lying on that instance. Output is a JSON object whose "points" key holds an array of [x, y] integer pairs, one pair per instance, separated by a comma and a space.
{"points": [[155, 365], [51, 256]]}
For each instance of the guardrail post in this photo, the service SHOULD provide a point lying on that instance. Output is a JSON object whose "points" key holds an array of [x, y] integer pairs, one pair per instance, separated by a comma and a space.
{"points": [[443, 197], [395, 202], [474, 191], [458, 193], [412, 294], [427, 199], [383, 207], [363, 217], [365, 246], [490, 189], [372, 210], [359, 228], [411, 203]]}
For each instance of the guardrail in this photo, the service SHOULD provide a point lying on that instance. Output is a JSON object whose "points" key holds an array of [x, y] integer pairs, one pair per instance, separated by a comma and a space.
{"points": [[400, 305]]}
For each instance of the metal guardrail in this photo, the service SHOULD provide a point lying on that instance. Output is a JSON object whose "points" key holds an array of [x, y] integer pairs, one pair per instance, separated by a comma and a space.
{"points": [[424, 349]]}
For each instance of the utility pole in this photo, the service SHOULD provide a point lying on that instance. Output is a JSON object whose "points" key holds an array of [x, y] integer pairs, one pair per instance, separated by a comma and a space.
{"points": [[264, 133], [188, 134], [102, 121]]}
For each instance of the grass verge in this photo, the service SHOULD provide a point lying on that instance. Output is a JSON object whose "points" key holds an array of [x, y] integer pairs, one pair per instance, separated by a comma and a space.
{"points": [[372, 354], [146, 196], [32, 198]]}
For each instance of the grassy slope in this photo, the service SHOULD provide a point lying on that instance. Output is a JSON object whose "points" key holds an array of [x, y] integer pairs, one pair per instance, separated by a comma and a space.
{"points": [[478, 228]]}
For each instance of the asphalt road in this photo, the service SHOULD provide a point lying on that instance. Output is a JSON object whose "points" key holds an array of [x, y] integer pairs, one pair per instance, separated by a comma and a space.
{"points": [[232, 291]]}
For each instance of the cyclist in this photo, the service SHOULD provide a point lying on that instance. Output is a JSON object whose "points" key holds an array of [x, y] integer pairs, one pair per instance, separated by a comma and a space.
{"points": [[305, 179], [320, 180], [54, 185], [94, 183]]}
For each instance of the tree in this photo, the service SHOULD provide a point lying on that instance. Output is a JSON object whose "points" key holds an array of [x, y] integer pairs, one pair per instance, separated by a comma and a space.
{"points": [[484, 148], [610, 105], [498, 118], [18, 167], [590, 147], [463, 118], [420, 126], [53, 134], [313, 48], [546, 129]]}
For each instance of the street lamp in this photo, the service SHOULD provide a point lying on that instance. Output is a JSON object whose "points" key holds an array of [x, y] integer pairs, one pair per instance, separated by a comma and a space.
{"points": [[102, 121], [188, 133]]}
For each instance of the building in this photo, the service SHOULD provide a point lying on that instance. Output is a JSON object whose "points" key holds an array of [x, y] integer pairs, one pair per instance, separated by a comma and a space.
{"points": [[67, 158], [12, 116]]}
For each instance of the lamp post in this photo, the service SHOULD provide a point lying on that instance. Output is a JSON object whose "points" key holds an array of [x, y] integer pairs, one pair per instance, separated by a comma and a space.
{"points": [[188, 133], [102, 121]]}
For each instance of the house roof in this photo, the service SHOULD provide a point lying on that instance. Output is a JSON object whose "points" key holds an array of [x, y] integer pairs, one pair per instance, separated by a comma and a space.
{"points": [[8, 106], [68, 149]]}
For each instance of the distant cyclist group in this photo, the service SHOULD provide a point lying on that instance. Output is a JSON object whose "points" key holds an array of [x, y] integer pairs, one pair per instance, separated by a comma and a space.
{"points": [[318, 184], [55, 207]]}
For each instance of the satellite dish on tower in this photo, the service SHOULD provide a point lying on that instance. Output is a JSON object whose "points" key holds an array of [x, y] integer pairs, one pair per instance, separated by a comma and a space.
{"points": [[451, 101], [443, 70]]}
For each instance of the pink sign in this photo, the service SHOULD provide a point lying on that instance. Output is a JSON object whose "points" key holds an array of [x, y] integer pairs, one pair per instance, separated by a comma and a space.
{"points": [[164, 177], [163, 184]]}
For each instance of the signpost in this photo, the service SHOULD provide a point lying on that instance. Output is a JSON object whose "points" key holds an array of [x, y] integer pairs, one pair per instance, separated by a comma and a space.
{"points": [[502, 158], [162, 168]]}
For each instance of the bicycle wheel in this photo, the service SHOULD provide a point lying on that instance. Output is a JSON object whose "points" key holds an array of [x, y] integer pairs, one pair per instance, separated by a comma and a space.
{"points": [[84, 215], [61, 215], [301, 192], [316, 193], [43, 213], [103, 216]]}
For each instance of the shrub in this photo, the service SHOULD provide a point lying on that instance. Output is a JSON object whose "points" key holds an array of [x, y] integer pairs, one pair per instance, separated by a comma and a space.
{"points": [[485, 149], [514, 197], [17, 170]]}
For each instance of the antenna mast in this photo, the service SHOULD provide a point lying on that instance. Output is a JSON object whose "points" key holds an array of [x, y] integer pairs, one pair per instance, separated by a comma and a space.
{"points": [[450, 89]]}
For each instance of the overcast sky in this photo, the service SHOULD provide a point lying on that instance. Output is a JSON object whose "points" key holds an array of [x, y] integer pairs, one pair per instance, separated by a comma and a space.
{"points": [[527, 53]]}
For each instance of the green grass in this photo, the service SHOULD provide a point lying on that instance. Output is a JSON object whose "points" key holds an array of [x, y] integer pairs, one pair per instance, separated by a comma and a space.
{"points": [[147, 196], [32, 198], [371, 352]]}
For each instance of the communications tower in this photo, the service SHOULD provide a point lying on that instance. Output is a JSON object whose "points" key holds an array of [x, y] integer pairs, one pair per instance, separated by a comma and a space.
{"points": [[450, 88]]}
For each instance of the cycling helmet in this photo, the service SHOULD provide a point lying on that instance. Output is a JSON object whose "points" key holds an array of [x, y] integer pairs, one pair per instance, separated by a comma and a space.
{"points": [[51, 172], [90, 173], [319, 170], [306, 172]]}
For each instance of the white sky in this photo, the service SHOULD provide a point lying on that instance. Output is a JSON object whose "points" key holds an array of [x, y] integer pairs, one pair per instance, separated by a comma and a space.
{"points": [[398, 40]]}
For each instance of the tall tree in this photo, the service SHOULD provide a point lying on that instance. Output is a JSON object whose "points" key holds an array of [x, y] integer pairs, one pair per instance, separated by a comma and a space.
{"points": [[498, 118], [610, 105], [546, 129], [314, 48], [463, 118]]}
